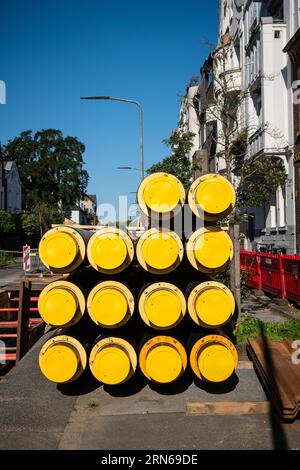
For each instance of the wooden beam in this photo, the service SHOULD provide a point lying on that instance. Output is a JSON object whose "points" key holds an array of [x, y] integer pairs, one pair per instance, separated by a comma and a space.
{"points": [[23, 320], [228, 408], [245, 365]]}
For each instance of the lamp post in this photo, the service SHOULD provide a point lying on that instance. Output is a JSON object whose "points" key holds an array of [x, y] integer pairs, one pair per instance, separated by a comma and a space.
{"points": [[127, 168], [136, 103]]}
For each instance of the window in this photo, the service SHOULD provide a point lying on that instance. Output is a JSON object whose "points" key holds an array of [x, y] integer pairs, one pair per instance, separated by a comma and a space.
{"points": [[272, 211], [277, 34]]}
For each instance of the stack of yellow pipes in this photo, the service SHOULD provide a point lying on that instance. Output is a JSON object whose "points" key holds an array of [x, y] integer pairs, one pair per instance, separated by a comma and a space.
{"points": [[150, 305]]}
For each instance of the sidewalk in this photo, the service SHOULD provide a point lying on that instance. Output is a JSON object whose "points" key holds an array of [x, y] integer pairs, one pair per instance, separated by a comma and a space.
{"points": [[37, 414], [10, 274]]}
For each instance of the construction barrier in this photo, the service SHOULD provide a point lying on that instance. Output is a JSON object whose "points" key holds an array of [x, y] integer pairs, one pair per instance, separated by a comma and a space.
{"points": [[148, 304], [275, 274]]}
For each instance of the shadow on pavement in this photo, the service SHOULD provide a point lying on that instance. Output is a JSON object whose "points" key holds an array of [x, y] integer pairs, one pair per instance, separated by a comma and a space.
{"points": [[173, 388], [85, 384], [133, 386], [278, 434], [218, 388]]}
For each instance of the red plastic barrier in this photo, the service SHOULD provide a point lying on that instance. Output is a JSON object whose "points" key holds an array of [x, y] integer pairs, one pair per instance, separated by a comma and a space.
{"points": [[276, 274], [272, 280], [250, 263], [291, 273]]}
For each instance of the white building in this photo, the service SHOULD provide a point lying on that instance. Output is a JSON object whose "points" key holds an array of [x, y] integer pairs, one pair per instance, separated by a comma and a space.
{"points": [[85, 212], [10, 188], [250, 54], [188, 118]]}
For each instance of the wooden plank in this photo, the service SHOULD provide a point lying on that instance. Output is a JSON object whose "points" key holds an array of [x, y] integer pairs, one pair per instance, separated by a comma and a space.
{"points": [[23, 319], [280, 377], [245, 365], [84, 227], [228, 408]]}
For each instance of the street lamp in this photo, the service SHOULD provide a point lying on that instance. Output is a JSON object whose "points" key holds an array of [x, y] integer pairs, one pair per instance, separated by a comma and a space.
{"points": [[136, 103], [127, 168]]}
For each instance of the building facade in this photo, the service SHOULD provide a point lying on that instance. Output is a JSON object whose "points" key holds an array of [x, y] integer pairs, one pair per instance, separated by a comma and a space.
{"points": [[257, 57], [292, 48], [85, 212], [10, 188]]}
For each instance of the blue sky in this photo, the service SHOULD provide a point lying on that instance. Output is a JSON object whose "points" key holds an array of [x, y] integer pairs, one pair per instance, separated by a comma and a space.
{"points": [[54, 51]]}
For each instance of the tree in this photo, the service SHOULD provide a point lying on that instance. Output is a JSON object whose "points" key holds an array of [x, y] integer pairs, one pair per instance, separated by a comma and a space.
{"points": [[51, 170], [7, 224], [178, 163]]}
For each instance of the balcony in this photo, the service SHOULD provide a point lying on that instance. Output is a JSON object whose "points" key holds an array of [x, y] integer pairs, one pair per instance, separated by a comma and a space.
{"points": [[232, 78], [256, 142]]}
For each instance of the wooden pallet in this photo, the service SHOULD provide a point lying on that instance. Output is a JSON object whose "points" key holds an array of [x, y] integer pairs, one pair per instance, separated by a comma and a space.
{"points": [[280, 377], [20, 324]]}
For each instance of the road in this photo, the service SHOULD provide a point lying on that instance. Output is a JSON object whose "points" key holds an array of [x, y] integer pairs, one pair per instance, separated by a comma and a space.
{"points": [[38, 414], [10, 274]]}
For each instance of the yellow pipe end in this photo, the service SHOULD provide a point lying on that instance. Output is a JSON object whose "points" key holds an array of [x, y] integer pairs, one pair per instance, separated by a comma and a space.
{"points": [[163, 359], [110, 304], [61, 303], [211, 304], [209, 249], [162, 305], [62, 359], [62, 249], [159, 251], [213, 358], [113, 361], [213, 194], [160, 194], [110, 250]]}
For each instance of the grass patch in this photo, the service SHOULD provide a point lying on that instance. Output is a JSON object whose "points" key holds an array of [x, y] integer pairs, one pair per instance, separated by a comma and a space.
{"points": [[92, 404], [5, 258], [250, 327]]}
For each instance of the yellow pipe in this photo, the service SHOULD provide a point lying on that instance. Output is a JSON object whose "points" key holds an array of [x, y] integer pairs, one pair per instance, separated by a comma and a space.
{"points": [[63, 249], [110, 304], [61, 303], [211, 196], [211, 304], [113, 361], [159, 251], [162, 305], [110, 250], [209, 249], [213, 358], [62, 359], [161, 195], [163, 359]]}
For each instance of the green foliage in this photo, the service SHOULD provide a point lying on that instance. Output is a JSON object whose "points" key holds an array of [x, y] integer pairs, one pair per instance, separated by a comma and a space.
{"points": [[178, 163], [8, 258], [30, 224], [7, 224], [224, 277], [250, 327], [50, 167], [261, 176]]}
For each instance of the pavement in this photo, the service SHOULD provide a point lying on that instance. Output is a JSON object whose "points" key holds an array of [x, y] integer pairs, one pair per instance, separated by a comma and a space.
{"points": [[266, 309], [10, 274], [37, 414]]}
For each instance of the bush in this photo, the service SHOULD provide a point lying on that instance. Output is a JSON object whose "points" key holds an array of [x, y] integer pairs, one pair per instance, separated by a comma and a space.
{"points": [[7, 224], [250, 327]]}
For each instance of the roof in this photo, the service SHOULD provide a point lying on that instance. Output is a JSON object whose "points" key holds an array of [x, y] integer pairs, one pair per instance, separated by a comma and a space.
{"points": [[8, 165], [93, 197]]}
